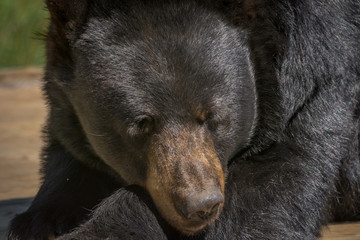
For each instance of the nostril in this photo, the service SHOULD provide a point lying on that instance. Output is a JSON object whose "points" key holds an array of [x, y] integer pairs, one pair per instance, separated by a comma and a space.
{"points": [[201, 214], [203, 207], [204, 215]]}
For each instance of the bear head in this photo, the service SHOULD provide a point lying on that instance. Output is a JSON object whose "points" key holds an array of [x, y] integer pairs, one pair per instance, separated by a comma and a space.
{"points": [[164, 93]]}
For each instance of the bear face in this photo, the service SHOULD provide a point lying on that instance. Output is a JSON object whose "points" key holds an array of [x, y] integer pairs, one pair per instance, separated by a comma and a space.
{"points": [[165, 97]]}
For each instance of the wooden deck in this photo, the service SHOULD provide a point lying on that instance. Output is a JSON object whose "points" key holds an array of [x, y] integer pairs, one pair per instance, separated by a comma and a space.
{"points": [[22, 113]]}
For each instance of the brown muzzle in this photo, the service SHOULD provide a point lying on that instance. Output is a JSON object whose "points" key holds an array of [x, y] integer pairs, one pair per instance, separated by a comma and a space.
{"points": [[185, 179]]}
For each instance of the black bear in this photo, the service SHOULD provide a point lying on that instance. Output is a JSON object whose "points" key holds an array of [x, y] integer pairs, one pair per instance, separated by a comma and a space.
{"points": [[198, 119]]}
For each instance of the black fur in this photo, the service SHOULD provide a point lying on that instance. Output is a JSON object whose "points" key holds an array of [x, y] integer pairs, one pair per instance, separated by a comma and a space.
{"points": [[289, 173]]}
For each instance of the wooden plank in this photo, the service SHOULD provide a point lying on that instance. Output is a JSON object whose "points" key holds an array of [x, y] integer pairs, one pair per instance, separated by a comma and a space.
{"points": [[344, 231], [22, 113], [13, 75]]}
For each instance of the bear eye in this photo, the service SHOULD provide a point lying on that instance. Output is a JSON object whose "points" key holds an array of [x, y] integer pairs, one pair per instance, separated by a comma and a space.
{"points": [[142, 125], [145, 124], [207, 118], [204, 116]]}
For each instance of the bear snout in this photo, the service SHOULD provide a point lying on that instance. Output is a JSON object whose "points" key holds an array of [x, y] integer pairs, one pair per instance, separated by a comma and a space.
{"points": [[185, 180], [201, 207]]}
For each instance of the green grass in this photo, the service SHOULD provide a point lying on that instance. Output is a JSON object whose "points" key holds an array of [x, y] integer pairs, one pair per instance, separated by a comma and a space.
{"points": [[21, 21]]}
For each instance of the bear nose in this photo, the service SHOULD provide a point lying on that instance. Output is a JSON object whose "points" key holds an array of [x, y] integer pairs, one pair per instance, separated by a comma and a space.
{"points": [[201, 207]]}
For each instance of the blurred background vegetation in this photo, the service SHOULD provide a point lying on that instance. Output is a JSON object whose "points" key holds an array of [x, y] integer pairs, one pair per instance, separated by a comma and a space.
{"points": [[21, 24]]}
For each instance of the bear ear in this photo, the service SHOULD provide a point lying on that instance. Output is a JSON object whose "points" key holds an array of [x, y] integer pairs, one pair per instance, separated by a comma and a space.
{"points": [[66, 15]]}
